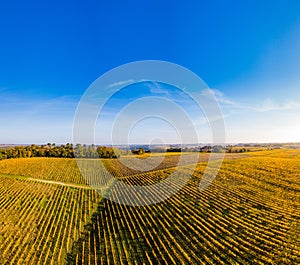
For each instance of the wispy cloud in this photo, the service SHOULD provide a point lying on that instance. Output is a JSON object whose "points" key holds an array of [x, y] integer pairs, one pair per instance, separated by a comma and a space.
{"points": [[33, 119], [269, 105], [120, 83], [11, 103], [220, 96], [155, 88], [264, 105], [56, 104]]}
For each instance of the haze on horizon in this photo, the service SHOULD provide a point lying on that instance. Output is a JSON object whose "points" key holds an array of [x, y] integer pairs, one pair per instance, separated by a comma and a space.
{"points": [[247, 53]]}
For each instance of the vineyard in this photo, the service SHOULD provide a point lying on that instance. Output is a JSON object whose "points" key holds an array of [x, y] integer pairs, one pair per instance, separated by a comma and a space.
{"points": [[250, 214]]}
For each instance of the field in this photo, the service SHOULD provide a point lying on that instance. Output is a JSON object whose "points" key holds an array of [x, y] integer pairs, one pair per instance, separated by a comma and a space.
{"points": [[250, 214]]}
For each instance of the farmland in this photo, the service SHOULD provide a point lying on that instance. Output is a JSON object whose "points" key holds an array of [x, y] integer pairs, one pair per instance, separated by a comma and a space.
{"points": [[250, 214]]}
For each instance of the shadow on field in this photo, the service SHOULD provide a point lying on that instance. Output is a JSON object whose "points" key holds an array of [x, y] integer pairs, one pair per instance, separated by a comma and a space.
{"points": [[89, 238]]}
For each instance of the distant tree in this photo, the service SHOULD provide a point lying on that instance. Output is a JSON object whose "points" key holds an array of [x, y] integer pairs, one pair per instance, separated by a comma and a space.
{"points": [[79, 151], [2, 155], [65, 151], [217, 149]]}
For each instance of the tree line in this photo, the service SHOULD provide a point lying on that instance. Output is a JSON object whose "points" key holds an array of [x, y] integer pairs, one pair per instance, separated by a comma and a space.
{"points": [[63, 151]]}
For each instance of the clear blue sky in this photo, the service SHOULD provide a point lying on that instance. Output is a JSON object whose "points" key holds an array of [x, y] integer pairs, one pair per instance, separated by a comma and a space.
{"points": [[248, 52]]}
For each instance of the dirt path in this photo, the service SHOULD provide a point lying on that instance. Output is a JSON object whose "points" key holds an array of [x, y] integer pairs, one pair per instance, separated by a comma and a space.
{"points": [[60, 183], [46, 181]]}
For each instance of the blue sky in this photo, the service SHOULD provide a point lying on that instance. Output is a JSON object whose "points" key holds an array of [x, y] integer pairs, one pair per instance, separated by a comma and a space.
{"points": [[248, 52]]}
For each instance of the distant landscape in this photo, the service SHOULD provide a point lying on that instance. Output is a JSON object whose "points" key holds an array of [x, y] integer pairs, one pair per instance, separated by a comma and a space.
{"points": [[99, 151], [250, 213]]}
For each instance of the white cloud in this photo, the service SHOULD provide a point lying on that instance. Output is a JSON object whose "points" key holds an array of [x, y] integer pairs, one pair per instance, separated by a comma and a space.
{"points": [[269, 105], [263, 105], [220, 96], [155, 88], [121, 83]]}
